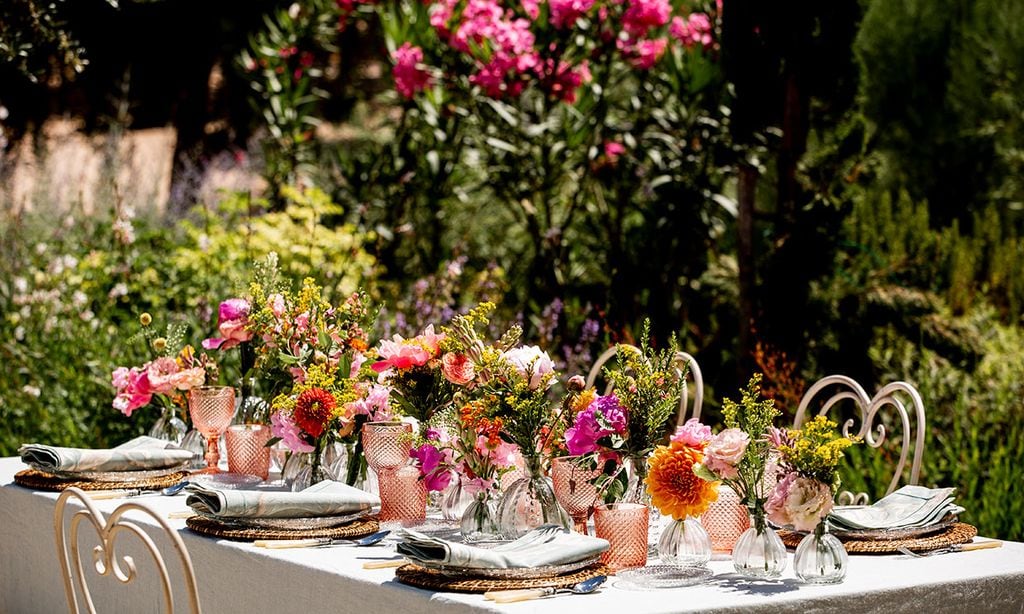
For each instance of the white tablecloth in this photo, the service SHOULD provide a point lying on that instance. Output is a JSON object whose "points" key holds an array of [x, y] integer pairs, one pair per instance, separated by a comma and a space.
{"points": [[236, 577]]}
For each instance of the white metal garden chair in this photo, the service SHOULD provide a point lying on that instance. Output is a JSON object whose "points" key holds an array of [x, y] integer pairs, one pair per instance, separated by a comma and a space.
{"points": [[104, 556], [682, 359], [909, 413]]}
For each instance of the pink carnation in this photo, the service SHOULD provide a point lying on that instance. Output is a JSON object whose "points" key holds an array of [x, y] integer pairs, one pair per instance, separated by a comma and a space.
{"points": [[799, 502], [281, 425], [693, 434], [725, 451], [642, 15], [604, 416], [409, 75], [232, 324]]}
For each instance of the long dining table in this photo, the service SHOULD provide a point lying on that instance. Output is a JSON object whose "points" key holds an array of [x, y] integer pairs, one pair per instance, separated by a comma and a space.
{"points": [[238, 577]]}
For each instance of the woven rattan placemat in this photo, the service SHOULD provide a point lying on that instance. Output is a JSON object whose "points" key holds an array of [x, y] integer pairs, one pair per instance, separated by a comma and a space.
{"points": [[959, 533], [40, 480], [214, 528], [415, 575]]}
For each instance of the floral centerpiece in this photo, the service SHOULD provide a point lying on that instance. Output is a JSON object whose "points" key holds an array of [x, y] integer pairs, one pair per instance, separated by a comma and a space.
{"points": [[622, 428], [677, 491], [802, 499], [165, 380], [739, 456]]}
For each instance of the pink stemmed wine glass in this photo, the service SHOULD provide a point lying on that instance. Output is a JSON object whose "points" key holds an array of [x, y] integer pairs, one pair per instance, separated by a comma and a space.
{"points": [[386, 446], [211, 408], [575, 489]]}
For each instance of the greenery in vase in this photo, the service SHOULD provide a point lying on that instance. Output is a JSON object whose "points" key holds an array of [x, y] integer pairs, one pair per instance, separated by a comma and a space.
{"points": [[739, 454]]}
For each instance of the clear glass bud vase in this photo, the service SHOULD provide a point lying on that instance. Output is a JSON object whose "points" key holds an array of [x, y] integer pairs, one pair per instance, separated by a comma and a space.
{"points": [[169, 427], [821, 558], [684, 542], [480, 520], [455, 499], [759, 552], [529, 503]]}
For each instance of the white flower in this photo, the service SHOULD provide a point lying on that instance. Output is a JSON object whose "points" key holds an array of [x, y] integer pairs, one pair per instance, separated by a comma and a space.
{"points": [[532, 364], [118, 291], [20, 285], [32, 391], [79, 298]]}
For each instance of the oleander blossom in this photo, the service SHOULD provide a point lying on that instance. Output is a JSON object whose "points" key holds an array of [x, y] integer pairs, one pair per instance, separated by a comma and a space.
{"points": [[410, 76], [644, 54], [642, 15], [692, 31], [281, 425], [565, 13], [799, 502], [725, 451], [674, 487], [604, 416], [313, 410], [232, 324], [532, 364], [693, 434]]}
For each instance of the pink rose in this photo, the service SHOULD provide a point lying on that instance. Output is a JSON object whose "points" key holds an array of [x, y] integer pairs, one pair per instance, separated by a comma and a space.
{"points": [[531, 363], [799, 502], [693, 434], [725, 451], [232, 323], [457, 368]]}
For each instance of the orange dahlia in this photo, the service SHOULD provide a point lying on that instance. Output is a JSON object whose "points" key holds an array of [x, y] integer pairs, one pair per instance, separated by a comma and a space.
{"points": [[313, 410], [675, 490]]}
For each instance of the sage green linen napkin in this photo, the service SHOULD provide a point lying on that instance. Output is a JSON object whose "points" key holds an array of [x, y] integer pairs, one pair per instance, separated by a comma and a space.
{"points": [[327, 498], [138, 454], [546, 545], [908, 507]]}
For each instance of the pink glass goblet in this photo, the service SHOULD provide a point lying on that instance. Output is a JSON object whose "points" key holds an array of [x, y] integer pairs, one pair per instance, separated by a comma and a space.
{"points": [[575, 489], [386, 446], [211, 408]]}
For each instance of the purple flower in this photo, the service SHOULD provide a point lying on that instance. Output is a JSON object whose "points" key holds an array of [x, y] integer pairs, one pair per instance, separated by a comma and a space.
{"points": [[603, 417]]}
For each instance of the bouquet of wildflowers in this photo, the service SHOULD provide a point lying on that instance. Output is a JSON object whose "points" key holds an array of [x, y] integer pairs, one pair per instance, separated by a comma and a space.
{"points": [[167, 377], [808, 465], [475, 451], [412, 368], [739, 454]]}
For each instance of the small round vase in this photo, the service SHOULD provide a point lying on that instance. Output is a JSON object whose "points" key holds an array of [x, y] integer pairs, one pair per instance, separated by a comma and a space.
{"points": [[454, 500], [820, 557], [480, 519], [529, 503], [759, 552], [169, 427], [684, 542]]}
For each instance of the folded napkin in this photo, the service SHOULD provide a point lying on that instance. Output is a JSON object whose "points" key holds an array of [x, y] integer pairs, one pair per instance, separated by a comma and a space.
{"points": [[135, 455], [324, 499], [546, 545], [908, 507]]}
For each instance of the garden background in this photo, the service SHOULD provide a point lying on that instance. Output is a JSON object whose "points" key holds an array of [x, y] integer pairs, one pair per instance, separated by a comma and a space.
{"points": [[794, 187]]}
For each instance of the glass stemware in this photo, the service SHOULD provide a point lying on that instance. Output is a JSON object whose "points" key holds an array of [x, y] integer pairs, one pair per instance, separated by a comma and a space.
{"points": [[211, 408], [386, 446], [575, 489]]}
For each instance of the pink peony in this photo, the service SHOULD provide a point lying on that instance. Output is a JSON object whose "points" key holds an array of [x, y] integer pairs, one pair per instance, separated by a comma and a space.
{"points": [[404, 354], [531, 363], [642, 15], [457, 368], [281, 425], [232, 323], [435, 466], [409, 75], [725, 451], [603, 417], [799, 502], [133, 389], [564, 13], [693, 434]]}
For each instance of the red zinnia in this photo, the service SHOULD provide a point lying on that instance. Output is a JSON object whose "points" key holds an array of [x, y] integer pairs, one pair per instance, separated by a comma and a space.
{"points": [[313, 410]]}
